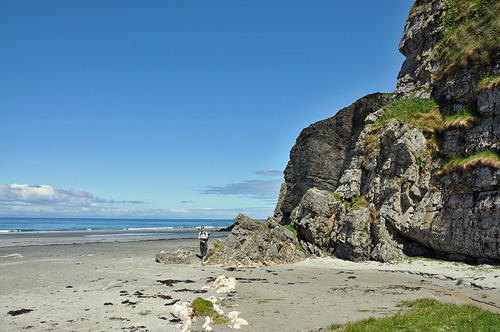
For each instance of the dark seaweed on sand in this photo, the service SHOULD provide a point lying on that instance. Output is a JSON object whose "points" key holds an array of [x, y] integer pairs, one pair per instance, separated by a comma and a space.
{"points": [[19, 312], [171, 282]]}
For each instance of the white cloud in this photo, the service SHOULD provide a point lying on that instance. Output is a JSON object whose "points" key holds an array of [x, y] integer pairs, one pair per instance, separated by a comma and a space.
{"points": [[179, 210], [43, 194], [16, 209], [46, 201], [48, 195], [270, 172], [253, 188]]}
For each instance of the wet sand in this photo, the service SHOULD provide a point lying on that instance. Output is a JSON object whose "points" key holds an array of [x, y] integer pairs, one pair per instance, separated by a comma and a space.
{"points": [[114, 284]]}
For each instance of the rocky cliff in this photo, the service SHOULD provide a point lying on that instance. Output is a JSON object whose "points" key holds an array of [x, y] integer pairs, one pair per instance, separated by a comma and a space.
{"points": [[417, 171]]}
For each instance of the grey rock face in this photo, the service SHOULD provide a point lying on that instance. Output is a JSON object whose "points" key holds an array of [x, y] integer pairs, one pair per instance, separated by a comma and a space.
{"points": [[322, 148], [363, 192], [420, 36], [314, 217], [409, 207], [256, 242]]}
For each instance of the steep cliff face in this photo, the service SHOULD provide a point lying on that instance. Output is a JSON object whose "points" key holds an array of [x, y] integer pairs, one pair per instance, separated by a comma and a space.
{"points": [[393, 175]]}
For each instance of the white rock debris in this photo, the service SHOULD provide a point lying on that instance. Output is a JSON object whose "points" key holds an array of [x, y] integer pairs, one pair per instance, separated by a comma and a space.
{"points": [[184, 311], [206, 325], [223, 284], [234, 321]]}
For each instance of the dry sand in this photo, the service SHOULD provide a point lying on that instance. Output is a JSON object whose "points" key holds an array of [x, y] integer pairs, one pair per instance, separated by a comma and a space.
{"points": [[113, 286]]}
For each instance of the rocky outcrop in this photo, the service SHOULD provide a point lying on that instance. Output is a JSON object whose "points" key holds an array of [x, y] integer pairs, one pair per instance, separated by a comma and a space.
{"points": [[180, 256], [420, 37], [417, 77], [317, 159], [256, 242], [364, 189]]}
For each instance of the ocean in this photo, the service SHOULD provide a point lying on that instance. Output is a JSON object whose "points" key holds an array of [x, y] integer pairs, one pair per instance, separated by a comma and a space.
{"points": [[13, 224]]}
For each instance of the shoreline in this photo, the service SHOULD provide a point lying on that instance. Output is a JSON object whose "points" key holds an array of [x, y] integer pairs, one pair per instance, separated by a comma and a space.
{"points": [[114, 286], [14, 239]]}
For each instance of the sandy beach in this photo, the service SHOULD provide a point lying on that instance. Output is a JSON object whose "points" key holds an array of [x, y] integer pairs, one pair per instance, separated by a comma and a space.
{"points": [[114, 284]]}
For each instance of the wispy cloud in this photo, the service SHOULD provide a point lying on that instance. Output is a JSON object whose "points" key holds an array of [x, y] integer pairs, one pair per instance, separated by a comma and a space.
{"points": [[178, 210], [112, 201], [44, 200], [186, 202], [17, 209], [47, 195], [43, 194], [252, 188], [270, 172]]}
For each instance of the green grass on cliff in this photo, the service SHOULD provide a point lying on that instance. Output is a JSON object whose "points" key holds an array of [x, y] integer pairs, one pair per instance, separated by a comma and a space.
{"points": [[489, 82], [291, 229], [429, 315], [422, 113], [462, 119], [484, 158], [470, 36], [425, 115], [356, 203]]}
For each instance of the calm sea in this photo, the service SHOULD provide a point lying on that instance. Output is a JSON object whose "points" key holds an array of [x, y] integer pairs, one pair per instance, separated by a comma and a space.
{"points": [[8, 224]]}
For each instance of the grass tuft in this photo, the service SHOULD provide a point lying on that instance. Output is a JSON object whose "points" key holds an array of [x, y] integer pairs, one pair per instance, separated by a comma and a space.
{"points": [[488, 83], [421, 113], [203, 307], [291, 229], [460, 120], [356, 203], [429, 315], [485, 158]]}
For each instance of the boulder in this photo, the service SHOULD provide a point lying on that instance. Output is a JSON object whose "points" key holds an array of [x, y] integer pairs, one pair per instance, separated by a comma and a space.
{"points": [[180, 256], [256, 242]]}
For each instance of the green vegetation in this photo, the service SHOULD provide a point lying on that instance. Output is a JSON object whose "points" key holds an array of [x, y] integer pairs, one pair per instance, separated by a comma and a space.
{"points": [[356, 202], [429, 315], [203, 307], [489, 82], [484, 158], [337, 196], [470, 35], [422, 113], [462, 119], [291, 229], [434, 143]]}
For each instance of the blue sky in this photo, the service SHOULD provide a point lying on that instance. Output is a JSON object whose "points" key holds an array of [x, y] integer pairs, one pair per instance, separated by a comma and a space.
{"points": [[176, 109]]}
